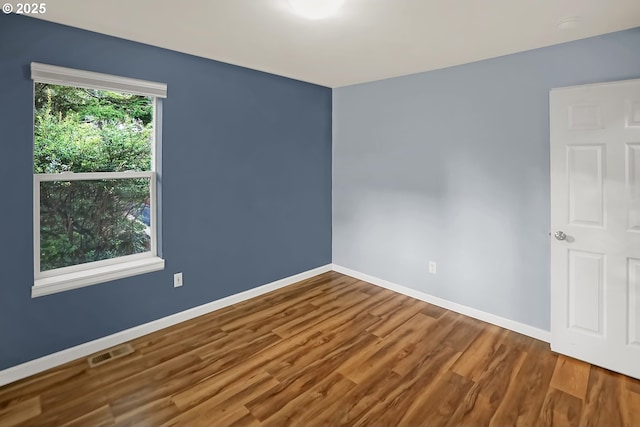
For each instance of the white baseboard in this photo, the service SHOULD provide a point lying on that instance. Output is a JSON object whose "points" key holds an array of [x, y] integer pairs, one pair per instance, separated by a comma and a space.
{"points": [[512, 325], [32, 367]]}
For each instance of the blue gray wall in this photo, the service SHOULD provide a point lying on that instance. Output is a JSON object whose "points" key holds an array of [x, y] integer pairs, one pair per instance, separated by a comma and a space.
{"points": [[453, 166], [246, 186]]}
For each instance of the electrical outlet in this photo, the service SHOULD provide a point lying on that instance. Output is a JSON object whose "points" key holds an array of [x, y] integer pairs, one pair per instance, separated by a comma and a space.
{"points": [[177, 280], [432, 267]]}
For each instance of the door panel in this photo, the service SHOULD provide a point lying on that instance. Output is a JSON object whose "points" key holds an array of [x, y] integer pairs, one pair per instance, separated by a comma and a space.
{"points": [[633, 113], [586, 291], [585, 184], [586, 116], [633, 185], [595, 201], [633, 277]]}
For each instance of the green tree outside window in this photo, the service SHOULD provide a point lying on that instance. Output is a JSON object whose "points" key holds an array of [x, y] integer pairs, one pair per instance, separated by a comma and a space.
{"points": [[83, 130]]}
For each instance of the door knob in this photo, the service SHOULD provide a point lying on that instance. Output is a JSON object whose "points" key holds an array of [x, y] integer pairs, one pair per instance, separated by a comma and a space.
{"points": [[560, 235]]}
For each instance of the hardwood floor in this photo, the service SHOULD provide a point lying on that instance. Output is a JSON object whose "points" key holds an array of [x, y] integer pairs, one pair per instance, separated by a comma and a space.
{"points": [[328, 351]]}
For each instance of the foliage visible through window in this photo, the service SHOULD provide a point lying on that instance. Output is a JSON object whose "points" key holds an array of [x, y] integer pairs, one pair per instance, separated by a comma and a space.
{"points": [[83, 130]]}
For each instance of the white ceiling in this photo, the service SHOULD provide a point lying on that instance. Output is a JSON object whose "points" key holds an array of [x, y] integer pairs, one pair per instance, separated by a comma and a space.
{"points": [[366, 40]]}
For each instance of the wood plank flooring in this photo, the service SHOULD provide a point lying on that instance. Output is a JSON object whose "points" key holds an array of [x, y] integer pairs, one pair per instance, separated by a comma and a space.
{"points": [[328, 351]]}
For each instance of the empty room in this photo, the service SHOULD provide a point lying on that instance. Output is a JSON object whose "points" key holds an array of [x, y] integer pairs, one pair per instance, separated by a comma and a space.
{"points": [[320, 213]]}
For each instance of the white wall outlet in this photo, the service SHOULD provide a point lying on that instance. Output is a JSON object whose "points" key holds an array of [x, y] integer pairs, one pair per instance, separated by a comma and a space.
{"points": [[432, 267], [177, 280]]}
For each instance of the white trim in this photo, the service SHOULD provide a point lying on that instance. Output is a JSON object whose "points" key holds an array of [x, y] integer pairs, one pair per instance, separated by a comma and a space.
{"points": [[155, 140], [93, 265], [512, 325], [594, 85], [92, 176], [44, 73], [79, 279], [33, 367]]}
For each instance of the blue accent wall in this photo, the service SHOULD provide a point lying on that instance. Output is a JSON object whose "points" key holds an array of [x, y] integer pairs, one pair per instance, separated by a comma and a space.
{"points": [[246, 186], [453, 166]]}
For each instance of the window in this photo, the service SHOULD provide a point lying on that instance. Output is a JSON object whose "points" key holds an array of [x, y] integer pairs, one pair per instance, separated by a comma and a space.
{"points": [[96, 140]]}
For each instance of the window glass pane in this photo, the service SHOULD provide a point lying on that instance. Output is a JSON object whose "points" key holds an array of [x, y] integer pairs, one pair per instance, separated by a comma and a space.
{"points": [[84, 221], [88, 130]]}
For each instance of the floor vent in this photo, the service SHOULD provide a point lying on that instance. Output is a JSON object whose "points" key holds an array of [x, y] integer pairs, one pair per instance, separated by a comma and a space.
{"points": [[108, 355]]}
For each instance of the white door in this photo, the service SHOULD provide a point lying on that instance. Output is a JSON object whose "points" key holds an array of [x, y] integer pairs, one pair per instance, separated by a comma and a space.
{"points": [[595, 220]]}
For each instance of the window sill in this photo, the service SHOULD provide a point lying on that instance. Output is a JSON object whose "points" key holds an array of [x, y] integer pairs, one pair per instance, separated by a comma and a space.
{"points": [[80, 279]]}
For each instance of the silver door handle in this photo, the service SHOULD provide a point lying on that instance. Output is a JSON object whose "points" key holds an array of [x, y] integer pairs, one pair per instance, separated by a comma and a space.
{"points": [[560, 235]]}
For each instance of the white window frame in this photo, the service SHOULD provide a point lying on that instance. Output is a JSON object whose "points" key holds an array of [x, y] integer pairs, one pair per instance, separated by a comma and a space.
{"points": [[91, 273]]}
